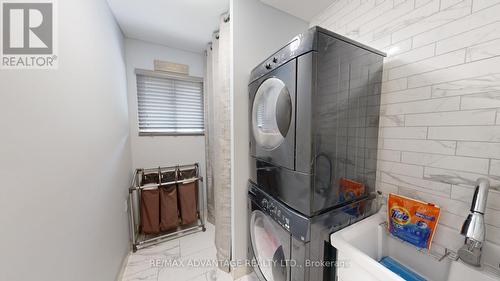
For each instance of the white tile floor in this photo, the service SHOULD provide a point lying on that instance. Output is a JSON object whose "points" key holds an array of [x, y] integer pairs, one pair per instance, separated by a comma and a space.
{"points": [[179, 260]]}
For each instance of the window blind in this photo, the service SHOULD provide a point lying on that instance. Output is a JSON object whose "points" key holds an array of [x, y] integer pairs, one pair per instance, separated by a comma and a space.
{"points": [[169, 105]]}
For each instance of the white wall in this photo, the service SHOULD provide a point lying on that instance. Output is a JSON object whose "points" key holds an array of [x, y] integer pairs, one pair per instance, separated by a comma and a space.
{"points": [[65, 157], [258, 31], [440, 124], [154, 151]]}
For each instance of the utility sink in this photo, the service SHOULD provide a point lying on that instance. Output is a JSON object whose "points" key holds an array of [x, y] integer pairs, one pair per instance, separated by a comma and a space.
{"points": [[361, 246]]}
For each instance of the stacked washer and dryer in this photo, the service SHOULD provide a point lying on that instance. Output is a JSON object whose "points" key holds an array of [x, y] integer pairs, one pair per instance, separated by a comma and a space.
{"points": [[314, 116]]}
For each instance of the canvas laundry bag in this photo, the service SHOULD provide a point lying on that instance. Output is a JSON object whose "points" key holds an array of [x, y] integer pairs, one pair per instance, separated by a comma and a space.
{"points": [[150, 211], [169, 215]]}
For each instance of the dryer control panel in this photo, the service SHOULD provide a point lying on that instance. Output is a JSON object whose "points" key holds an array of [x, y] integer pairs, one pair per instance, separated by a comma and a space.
{"points": [[292, 221]]}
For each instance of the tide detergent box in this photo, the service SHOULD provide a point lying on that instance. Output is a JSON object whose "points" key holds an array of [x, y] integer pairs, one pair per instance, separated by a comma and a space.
{"points": [[411, 220], [350, 190]]}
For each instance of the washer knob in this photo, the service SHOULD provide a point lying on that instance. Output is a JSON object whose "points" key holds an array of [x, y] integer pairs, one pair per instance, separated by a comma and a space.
{"points": [[275, 59], [264, 203], [268, 65]]}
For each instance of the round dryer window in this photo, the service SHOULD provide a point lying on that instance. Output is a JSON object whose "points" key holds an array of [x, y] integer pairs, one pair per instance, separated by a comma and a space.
{"points": [[267, 247], [271, 113]]}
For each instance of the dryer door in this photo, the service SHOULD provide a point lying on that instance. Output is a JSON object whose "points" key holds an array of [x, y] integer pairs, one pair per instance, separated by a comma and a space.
{"points": [[272, 117], [271, 247]]}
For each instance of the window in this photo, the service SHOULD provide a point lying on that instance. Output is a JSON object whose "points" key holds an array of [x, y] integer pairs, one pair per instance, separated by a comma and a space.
{"points": [[169, 104]]}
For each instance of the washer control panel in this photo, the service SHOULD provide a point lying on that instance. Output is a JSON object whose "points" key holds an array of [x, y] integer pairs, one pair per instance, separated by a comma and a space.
{"points": [[275, 211], [292, 221]]}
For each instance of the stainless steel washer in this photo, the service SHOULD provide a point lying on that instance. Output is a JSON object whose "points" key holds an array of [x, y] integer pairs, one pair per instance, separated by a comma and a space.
{"points": [[284, 245]]}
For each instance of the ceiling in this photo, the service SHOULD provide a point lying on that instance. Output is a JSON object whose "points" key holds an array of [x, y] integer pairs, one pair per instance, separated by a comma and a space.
{"points": [[304, 9], [182, 24]]}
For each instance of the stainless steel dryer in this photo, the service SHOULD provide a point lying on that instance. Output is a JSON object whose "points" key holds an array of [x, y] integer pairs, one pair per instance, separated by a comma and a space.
{"points": [[284, 245], [314, 115]]}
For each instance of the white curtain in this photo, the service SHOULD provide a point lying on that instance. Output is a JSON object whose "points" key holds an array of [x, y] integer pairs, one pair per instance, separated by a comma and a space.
{"points": [[218, 142], [211, 81], [208, 89]]}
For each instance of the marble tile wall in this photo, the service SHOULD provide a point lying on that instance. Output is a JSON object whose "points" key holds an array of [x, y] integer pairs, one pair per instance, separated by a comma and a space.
{"points": [[440, 102]]}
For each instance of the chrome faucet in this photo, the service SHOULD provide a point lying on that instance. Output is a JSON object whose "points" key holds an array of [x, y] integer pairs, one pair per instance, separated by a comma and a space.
{"points": [[473, 228]]}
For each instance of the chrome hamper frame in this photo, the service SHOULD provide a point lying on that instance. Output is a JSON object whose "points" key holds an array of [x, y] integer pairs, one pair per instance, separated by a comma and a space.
{"points": [[139, 240]]}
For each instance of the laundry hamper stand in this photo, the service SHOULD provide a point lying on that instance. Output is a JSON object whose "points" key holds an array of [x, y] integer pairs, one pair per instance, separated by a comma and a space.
{"points": [[178, 177]]}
